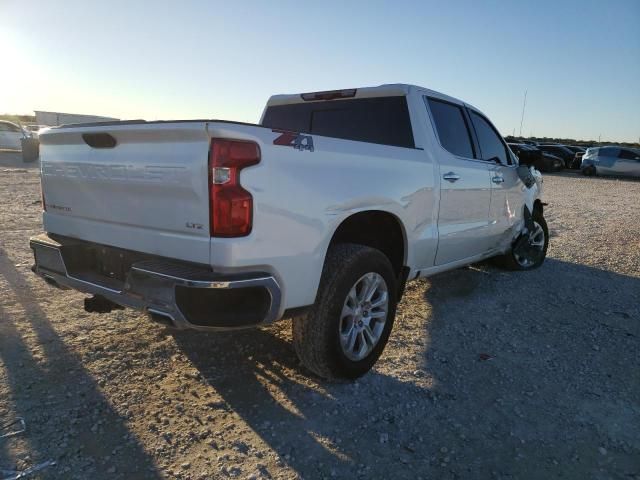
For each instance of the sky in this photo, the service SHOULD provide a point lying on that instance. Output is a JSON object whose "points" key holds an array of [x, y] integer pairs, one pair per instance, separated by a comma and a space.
{"points": [[579, 61]]}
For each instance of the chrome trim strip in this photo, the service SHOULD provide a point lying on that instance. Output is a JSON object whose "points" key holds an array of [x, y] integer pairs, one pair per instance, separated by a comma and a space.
{"points": [[160, 312], [97, 285], [241, 283]]}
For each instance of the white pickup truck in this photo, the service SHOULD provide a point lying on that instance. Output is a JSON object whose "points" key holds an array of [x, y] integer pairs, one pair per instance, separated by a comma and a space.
{"points": [[320, 213]]}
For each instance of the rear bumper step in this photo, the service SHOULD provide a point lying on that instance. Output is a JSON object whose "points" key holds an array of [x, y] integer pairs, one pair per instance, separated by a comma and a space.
{"points": [[186, 295]]}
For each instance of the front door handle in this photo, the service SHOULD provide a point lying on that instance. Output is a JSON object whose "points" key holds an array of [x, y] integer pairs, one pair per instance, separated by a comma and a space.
{"points": [[451, 177], [497, 179]]}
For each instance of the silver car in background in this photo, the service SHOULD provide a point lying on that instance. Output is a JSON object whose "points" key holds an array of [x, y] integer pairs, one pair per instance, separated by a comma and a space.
{"points": [[11, 135], [611, 161]]}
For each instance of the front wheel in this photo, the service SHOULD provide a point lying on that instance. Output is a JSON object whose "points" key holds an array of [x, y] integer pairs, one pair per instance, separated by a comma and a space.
{"points": [[346, 330], [530, 249]]}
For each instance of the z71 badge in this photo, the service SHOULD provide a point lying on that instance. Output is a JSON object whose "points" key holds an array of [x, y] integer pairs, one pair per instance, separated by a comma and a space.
{"points": [[294, 139]]}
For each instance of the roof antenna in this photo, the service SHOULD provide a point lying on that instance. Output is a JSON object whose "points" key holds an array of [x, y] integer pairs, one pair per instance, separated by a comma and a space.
{"points": [[524, 104]]}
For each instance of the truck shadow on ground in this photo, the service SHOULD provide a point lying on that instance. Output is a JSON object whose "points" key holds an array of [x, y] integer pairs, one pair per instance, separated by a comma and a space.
{"points": [[319, 429], [43, 376], [517, 388], [369, 428], [537, 370]]}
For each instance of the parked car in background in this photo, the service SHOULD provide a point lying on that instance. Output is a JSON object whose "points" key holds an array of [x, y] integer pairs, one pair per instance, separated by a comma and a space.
{"points": [[561, 151], [555, 160], [578, 152], [11, 135], [611, 161], [530, 155]]}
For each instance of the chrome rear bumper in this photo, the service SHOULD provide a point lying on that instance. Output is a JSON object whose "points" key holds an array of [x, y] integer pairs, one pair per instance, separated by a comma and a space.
{"points": [[165, 288]]}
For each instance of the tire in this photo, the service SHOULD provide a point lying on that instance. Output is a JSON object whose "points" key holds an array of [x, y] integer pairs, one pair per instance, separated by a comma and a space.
{"points": [[589, 171], [511, 261], [317, 335]]}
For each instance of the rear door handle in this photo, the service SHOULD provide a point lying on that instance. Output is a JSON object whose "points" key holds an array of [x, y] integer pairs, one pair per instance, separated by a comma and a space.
{"points": [[497, 179], [451, 177]]}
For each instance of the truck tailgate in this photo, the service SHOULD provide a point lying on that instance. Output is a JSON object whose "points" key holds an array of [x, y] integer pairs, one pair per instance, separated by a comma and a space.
{"points": [[142, 186]]}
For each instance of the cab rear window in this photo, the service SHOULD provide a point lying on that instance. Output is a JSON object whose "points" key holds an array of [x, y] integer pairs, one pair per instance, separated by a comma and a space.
{"points": [[382, 120]]}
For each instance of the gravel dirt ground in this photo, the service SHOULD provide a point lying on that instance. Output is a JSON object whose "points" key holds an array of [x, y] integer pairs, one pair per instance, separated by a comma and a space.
{"points": [[488, 374]]}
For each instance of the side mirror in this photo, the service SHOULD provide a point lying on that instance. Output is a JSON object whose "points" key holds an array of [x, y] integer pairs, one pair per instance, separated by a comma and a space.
{"points": [[526, 176]]}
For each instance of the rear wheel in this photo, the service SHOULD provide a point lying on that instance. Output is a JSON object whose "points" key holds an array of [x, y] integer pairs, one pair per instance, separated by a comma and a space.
{"points": [[528, 252], [346, 330]]}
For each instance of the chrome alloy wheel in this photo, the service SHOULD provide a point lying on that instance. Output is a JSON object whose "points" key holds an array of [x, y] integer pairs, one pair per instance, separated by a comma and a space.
{"points": [[363, 316], [535, 247]]}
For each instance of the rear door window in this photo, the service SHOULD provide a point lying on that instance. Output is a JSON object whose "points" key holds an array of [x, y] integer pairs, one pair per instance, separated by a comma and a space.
{"points": [[628, 154], [608, 152], [451, 126], [491, 146], [382, 120]]}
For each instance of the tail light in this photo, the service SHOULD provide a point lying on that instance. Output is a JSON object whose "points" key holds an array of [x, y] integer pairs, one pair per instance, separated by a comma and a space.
{"points": [[230, 205]]}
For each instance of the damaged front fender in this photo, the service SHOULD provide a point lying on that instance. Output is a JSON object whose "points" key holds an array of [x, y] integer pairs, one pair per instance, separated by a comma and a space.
{"points": [[522, 222], [532, 179]]}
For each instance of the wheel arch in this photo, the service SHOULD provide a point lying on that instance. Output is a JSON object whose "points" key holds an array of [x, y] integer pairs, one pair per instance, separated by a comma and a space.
{"points": [[378, 229]]}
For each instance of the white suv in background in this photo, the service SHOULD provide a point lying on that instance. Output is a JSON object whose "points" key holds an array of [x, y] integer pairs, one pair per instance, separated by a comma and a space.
{"points": [[611, 161]]}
